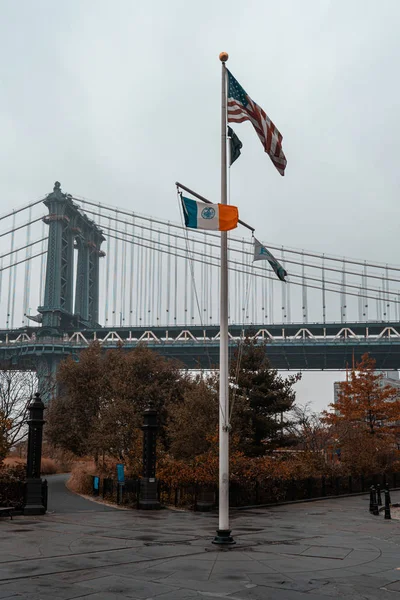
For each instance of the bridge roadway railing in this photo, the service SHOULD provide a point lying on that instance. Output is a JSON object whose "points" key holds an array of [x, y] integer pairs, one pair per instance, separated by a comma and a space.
{"points": [[197, 334], [312, 347]]}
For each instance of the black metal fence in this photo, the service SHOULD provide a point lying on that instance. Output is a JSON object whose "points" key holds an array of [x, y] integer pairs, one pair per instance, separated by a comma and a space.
{"points": [[126, 493], [250, 493]]}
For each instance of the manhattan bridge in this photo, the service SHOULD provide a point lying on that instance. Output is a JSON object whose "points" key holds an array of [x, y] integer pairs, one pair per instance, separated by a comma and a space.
{"points": [[73, 270]]}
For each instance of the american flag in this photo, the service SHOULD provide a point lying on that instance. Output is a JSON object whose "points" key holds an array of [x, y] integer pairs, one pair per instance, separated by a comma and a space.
{"points": [[242, 108]]}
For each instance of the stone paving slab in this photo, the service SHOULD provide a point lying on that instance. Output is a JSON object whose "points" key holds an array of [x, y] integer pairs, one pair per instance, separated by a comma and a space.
{"points": [[327, 549]]}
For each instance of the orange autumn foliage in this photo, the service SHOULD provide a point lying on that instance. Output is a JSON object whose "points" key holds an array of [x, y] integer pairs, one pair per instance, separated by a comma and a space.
{"points": [[365, 421], [5, 426], [364, 403], [203, 469]]}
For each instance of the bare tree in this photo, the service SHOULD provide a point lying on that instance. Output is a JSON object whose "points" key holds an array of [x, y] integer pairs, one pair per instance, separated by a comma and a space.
{"points": [[16, 391], [307, 429]]}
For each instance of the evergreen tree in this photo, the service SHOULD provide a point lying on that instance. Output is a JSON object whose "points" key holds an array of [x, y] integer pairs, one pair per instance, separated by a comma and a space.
{"points": [[260, 397]]}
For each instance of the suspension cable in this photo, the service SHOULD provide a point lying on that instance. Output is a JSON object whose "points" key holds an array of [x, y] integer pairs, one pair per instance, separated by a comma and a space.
{"points": [[14, 229], [287, 260], [272, 246], [19, 262], [342, 283], [18, 210], [23, 247], [256, 274]]}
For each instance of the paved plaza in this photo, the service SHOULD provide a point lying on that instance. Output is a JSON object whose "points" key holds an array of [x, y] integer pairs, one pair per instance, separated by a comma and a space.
{"points": [[82, 549]]}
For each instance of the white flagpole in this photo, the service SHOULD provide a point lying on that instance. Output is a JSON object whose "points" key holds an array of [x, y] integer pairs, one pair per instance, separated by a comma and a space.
{"points": [[223, 533]]}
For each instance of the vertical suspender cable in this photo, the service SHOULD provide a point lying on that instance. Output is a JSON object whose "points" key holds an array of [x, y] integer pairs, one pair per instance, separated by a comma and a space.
{"points": [[13, 294], [115, 275], [265, 301], [192, 286], [397, 306], [288, 300], [387, 293], [100, 269], [243, 288], [143, 286], [150, 296], [124, 258], [218, 303], [239, 298], [283, 291], [131, 272], [27, 278], [230, 299], [250, 277], [236, 297], [323, 290], [168, 275], [139, 287], [153, 277], [271, 302], [176, 283], [343, 294], [205, 287], [159, 270], [383, 298], [145, 290], [210, 288], [10, 276], [379, 305], [42, 263], [365, 311], [255, 311], [304, 289], [202, 287], [185, 301], [108, 261], [1, 277]]}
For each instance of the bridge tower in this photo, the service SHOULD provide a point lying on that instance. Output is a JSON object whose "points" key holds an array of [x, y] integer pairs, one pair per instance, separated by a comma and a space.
{"points": [[88, 241], [69, 229]]}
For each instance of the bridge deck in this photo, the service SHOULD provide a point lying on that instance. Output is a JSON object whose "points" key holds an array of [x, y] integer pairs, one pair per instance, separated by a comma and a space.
{"points": [[316, 346]]}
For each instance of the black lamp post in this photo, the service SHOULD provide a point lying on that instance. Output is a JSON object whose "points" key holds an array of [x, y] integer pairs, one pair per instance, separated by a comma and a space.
{"points": [[33, 498], [148, 484]]}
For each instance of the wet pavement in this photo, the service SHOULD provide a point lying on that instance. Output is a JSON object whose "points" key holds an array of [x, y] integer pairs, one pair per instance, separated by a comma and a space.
{"points": [[82, 549]]}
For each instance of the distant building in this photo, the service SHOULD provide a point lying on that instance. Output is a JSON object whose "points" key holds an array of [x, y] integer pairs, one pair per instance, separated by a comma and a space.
{"points": [[389, 378]]}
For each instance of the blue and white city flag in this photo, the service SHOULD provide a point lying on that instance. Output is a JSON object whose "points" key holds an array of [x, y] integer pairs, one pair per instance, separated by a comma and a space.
{"points": [[219, 217], [261, 253]]}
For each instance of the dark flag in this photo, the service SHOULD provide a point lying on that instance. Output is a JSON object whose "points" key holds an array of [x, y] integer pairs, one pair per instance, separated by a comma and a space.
{"points": [[261, 253], [235, 145]]}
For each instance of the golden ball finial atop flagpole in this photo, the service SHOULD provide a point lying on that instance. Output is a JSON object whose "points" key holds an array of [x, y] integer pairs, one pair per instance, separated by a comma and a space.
{"points": [[223, 57]]}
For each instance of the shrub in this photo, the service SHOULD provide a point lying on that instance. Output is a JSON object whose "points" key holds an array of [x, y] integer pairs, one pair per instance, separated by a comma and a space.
{"points": [[48, 466], [81, 480], [13, 472]]}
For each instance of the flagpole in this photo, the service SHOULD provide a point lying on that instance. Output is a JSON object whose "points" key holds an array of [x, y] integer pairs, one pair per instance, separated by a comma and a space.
{"points": [[223, 536]]}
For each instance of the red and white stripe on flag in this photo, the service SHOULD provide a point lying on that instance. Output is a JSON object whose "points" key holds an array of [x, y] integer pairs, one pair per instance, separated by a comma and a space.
{"points": [[269, 135]]}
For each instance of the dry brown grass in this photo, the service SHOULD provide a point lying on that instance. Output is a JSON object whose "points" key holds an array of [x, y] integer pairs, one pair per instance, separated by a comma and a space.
{"points": [[48, 466], [13, 461], [81, 477], [53, 461]]}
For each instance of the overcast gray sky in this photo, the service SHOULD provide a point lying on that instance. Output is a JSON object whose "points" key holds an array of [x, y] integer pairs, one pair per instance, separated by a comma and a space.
{"points": [[118, 100]]}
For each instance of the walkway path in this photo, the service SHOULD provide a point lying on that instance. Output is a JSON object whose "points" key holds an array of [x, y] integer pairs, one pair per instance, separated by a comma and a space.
{"points": [[320, 550], [61, 500]]}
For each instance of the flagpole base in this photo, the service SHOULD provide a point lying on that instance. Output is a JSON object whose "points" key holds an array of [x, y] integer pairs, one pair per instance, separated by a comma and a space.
{"points": [[223, 538]]}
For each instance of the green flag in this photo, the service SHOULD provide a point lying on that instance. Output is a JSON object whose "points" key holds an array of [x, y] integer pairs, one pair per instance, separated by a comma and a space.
{"points": [[261, 253], [235, 145]]}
